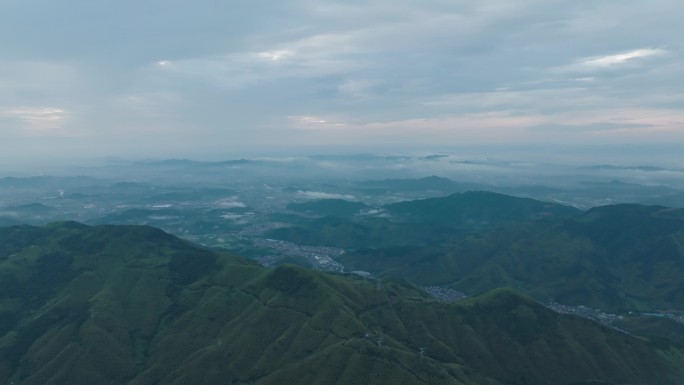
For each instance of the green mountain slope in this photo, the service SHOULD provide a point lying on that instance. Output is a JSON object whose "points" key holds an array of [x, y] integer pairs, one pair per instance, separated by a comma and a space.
{"points": [[363, 232], [431, 183], [622, 257], [419, 222], [326, 207], [477, 209], [134, 305]]}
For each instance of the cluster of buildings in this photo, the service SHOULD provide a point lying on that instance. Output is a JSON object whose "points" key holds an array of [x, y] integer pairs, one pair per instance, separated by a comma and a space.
{"points": [[584, 311], [444, 293], [319, 257], [674, 317]]}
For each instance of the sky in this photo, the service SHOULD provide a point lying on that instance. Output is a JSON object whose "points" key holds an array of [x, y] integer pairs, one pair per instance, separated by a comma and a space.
{"points": [[210, 78]]}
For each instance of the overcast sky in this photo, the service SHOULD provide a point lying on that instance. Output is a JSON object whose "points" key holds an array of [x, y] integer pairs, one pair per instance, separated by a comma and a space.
{"points": [[169, 78]]}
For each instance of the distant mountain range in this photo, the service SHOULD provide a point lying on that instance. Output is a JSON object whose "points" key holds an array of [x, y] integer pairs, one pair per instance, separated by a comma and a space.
{"points": [[634, 168], [185, 163], [42, 181], [435, 183], [134, 305]]}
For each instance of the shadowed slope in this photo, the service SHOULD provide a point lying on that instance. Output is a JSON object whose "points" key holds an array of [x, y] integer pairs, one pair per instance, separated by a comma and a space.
{"points": [[622, 257], [478, 209], [134, 305]]}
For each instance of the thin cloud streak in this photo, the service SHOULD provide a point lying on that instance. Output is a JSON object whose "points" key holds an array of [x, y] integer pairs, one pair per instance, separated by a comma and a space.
{"points": [[610, 60], [45, 119]]}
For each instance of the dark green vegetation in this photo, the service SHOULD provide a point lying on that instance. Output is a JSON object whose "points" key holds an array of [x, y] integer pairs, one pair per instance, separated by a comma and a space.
{"points": [[362, 232], [134, 305], [619, 258], [658, 329], [431, 183], [324, 207], [477, 209], [420, 222]]}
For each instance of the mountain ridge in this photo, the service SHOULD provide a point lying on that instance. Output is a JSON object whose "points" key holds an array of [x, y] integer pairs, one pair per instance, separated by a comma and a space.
{"points": [[134, 305], [478, 208], [619, 257]]}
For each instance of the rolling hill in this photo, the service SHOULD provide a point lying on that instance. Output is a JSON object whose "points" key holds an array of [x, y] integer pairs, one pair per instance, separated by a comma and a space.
{"points": [[328, 207], [134, 305], [619, 257], [477, 209], [430, 183], [418, 222]]}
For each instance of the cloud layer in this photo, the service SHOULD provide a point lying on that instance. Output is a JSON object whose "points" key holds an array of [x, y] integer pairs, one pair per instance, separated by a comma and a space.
{"points": [[169, 78]]}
